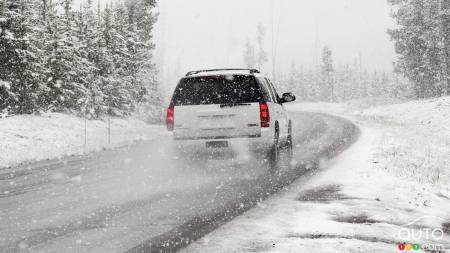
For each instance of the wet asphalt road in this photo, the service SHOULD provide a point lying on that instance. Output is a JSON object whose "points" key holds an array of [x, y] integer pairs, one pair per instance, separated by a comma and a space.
{"points": [[143, 198]]}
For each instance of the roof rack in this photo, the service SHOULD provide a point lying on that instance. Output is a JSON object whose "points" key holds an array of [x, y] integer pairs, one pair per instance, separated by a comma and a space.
{"points": [[252, 71]]}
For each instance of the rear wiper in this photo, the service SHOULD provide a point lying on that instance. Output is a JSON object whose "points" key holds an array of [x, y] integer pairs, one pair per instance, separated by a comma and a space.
{"points": [[233, 104]]}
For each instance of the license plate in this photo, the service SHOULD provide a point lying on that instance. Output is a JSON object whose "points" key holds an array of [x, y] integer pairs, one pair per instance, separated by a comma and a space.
{"points": [[217, 144]]}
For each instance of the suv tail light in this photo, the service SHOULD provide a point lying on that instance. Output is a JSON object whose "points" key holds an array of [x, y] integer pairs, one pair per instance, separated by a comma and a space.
{"points": [[170, 118], [264, 114]]}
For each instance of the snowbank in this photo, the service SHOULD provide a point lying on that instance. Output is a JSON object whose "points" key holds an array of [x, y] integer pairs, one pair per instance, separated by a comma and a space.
{"points": [[28, 138]]}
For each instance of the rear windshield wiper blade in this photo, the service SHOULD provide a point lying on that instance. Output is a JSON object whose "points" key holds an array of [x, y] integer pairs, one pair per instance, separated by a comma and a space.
{"points": [[234, 104]]}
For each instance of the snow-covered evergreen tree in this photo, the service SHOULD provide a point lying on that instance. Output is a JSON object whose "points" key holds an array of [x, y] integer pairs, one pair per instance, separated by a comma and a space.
{"points": [[327, 70], [68, 69], [249, 55], [262, 54], [20, 57], [422, 42], [88, 60], [141, 20]]}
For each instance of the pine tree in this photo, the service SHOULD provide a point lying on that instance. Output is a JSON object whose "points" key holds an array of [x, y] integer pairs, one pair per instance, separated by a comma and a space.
{"points": [[313, 92], [421, 40], [301, 91], [69, 70], [262, 54], [249, 55], [374, 89], [346, 88], [118, 99], [141, 20], [20, 58], [93, 51], [327, 70], [292, 79]]}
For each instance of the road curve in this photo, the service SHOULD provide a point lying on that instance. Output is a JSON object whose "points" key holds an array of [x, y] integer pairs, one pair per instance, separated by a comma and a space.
{"points": [[142, 198]]}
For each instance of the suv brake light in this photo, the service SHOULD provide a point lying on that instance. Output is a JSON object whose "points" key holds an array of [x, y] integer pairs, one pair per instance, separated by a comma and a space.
{"points": [[170, 118], [264, 114]]}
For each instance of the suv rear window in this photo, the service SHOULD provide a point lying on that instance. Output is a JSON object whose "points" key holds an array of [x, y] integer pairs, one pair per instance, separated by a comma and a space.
{"points": [[221, 89]]}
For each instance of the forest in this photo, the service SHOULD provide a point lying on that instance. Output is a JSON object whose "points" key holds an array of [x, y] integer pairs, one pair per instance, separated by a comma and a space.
{"points": [[87, 60], [97, 60]]}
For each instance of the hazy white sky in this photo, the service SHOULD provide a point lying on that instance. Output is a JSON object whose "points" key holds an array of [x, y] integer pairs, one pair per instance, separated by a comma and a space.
{"points": [[197, 34]]}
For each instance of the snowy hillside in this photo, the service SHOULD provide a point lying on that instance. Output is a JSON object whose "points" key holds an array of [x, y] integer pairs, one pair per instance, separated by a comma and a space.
{"points": [[416, 143], [28, 137], [416, 135]]}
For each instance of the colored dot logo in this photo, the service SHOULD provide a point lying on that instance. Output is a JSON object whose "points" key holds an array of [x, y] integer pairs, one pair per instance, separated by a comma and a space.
{"points": [[408, 246]]}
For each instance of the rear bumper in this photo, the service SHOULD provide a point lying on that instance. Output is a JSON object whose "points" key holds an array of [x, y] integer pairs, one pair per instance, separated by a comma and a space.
{"points": [[261, 142], [217, 138]]}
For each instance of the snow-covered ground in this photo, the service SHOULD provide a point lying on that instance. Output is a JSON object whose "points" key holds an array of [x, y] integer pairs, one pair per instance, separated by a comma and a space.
{"points": [[415, 139], [28, 138], [391, 189]]}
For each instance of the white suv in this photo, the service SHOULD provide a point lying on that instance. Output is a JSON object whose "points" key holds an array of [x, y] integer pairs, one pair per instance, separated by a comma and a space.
{"points": [[230, 108]]}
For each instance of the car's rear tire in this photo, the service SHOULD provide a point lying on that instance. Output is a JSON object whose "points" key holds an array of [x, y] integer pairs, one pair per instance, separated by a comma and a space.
{"points": [[274, 152], [289, 148], [289, 142]]}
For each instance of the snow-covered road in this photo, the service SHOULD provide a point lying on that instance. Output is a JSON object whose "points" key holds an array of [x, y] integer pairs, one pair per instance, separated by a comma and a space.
{"points": [[143, 198]]}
